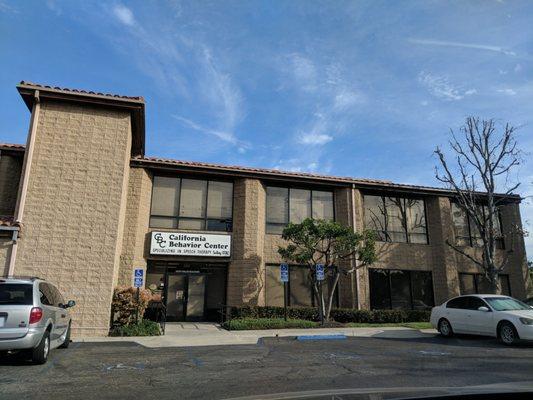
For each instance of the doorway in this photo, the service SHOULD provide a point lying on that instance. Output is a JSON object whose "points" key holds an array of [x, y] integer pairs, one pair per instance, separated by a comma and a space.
{"points": [[185, 297]]}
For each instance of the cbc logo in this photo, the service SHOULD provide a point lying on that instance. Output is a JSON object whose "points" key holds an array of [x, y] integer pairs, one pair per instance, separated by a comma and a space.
{"points": [[160, 241]]}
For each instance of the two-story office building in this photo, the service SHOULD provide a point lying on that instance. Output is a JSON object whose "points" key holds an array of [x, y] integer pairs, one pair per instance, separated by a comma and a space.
{"points": [[82, 206]]}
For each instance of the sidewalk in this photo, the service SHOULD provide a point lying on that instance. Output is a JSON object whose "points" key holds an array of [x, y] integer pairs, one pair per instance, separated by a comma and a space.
{"points": [[208, 334]]}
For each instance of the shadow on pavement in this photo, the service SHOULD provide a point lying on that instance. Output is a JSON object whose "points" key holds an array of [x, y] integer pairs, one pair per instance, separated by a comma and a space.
{"points": [[411, 336]]}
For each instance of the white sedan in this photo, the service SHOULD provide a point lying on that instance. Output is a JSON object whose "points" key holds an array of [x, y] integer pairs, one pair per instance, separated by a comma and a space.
{"points": [[485, 314]]}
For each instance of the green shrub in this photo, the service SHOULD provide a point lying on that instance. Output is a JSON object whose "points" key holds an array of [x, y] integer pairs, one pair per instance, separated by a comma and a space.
{"points": [[143, 328], [342, 315], [267, 323]]}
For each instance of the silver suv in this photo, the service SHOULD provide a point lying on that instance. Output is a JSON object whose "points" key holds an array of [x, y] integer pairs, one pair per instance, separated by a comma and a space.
{"points": [[33, 317]]}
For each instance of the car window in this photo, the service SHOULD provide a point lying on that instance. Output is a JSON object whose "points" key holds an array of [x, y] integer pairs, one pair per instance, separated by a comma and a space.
{"points": [[57, 297], [45, 294], [506, 304], [458, 302], [16, 293], [475, 302]]}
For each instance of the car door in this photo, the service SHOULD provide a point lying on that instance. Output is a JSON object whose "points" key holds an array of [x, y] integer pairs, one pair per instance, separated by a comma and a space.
{"points": [[478, 322], [62, 314], [49, 302], [456, 313]]}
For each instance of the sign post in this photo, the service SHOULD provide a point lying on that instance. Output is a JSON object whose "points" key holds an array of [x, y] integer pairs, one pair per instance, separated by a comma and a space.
{"points": [[284, 277], [138, 278], [319, 275]]}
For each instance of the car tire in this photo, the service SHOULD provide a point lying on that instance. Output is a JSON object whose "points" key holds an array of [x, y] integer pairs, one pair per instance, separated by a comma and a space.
{"points": [[445, 328], [39, 354], [507, 333], [66, 343]]}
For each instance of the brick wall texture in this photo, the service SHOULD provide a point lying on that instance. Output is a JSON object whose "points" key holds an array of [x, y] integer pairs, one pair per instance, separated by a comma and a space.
{"points": [[75, 207]]}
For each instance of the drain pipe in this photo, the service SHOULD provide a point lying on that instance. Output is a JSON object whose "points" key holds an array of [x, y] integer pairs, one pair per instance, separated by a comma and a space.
{"points": [[356, 273], [23, 185]]}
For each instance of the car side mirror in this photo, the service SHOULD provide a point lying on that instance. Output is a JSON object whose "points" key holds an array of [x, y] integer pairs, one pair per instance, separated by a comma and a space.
{"points": [[71, 303], [483, 308]]}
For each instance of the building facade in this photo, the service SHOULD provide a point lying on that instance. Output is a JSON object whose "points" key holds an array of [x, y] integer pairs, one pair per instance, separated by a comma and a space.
{"points": [[82, 206]]}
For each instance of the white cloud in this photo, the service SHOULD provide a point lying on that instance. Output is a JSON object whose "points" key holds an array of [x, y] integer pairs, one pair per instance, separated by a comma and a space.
{"points": [[222, 135], [446, 43], [441, 87], [314, 138], [345, 99], [507, 91], [124, 14]]}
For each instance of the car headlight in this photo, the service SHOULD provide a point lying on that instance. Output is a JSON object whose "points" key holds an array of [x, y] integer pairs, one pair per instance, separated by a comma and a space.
{"points": [[526, 321]]}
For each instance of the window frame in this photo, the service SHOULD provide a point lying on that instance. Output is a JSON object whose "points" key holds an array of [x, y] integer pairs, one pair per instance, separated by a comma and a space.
{"points": [[389, 285], [404, 225], [476, 276], [311, 190], [499, 242], [205, 218]]}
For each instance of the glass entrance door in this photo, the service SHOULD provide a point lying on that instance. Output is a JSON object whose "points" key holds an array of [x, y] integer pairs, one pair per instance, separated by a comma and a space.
{"points": [[175, 295], [185, 297]]}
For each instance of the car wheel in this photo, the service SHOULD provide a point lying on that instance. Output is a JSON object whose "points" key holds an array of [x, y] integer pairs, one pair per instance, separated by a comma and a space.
{"points": [[66, 343], [39, 354], [508, 334], [445, 328]]}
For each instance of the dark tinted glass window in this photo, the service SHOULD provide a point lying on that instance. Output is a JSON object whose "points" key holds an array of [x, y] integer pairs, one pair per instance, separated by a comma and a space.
{"points": [[400, 289], [45, 294], [379, 289], [300, 287], [16, 293], [475, 302], [467, 284], [422, 287], [505, 285], [458, 302]]}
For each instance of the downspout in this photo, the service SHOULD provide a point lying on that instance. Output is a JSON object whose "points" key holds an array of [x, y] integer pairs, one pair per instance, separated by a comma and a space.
{"points": [[23, 185], [357, 277]]}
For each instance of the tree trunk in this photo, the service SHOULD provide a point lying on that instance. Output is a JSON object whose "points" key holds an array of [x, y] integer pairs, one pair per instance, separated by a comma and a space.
{"points": [[331, 294]]}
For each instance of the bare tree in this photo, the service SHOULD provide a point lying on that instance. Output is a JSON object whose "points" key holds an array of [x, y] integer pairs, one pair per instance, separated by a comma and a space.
{"points": [[483, 159]]}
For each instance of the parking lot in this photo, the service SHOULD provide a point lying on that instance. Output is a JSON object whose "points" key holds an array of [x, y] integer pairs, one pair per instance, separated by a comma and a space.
{"points": [[402, 359]]}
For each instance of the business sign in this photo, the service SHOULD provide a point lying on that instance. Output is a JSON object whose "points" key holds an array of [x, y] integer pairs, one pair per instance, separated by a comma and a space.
{"points": [[138, 278], [190, 244], [284, 272], [319, 270]]}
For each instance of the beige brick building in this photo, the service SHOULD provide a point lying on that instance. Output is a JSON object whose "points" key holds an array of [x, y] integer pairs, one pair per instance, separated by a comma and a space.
{"points": [[82, 206]]}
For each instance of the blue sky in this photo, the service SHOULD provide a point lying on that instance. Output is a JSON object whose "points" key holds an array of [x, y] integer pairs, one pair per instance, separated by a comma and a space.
{"points": [[358, 88]]}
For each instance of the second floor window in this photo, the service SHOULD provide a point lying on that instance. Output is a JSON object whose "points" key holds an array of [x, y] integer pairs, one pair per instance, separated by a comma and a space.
{"points": [[466, 231], [396, 219], [284, 205], [191, 204]]}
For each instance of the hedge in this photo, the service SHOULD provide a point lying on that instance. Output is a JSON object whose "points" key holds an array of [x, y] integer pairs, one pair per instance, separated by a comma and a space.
{"points": [[342, 315], [267, 323], [143, 328]]}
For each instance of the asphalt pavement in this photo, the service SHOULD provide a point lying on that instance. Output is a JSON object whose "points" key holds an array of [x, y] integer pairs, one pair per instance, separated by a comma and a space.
{"points": [[393, 362]]}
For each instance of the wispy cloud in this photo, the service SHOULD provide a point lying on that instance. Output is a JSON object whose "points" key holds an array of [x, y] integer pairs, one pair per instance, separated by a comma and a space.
{"points": [[440, 86], [314, 138], [507, 91], [445, 43], [123, 14]]}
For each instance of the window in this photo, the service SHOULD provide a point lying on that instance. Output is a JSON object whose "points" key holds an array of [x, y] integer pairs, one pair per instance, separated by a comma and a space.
{"points": [[400, 289], [396, 219], [300, 287], [466, 231], [295, 205], [478, 284], [191, 204], [16, 294], [458, 302]]}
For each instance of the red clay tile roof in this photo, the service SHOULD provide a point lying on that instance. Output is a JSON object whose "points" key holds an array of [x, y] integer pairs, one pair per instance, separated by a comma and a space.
{"points": [[11, 146], [78, 91], [9, 221]]}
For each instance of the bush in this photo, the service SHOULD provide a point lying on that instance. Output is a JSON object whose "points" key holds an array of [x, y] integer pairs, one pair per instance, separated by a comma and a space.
{"points": [[267, 323], [342, 315], [125, 306], [143, 328]]}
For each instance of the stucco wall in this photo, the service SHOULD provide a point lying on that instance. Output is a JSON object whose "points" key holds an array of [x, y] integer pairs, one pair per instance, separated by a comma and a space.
{"points": [[10, 169], [75, 207]]}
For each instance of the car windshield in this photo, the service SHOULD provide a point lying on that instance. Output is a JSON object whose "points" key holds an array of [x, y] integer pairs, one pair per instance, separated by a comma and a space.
{"points": [[16, 293], [506, 304]]}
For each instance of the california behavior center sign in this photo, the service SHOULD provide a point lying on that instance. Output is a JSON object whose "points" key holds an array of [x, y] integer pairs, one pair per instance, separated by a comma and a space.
{"points": [[190, 244]]}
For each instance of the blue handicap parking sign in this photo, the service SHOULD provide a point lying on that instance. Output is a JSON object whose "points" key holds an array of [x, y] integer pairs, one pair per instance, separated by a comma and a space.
{"points": [[138, 282], [139, 272], [284, 272], [319, 270]]}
